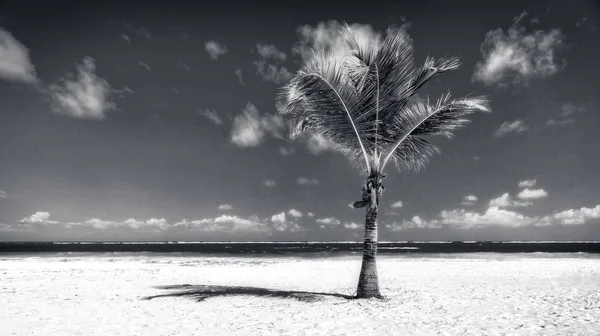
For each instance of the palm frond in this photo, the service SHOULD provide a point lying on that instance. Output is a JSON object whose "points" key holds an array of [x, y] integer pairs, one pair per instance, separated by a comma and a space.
{"points": [[422, 119], [322, 99]]}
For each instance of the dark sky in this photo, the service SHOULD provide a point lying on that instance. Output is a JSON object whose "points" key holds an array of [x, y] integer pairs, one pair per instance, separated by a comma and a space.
{"points": [[156, 121]]}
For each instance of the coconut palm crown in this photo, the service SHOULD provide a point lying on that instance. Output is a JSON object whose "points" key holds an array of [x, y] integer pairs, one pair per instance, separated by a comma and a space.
{"points": [[365, 104]]}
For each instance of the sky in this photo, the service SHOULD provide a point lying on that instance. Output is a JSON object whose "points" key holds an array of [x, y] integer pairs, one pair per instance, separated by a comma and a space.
{"points": [[156, 121]]}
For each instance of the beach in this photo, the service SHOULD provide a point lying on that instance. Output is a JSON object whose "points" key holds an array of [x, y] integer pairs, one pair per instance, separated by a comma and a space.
{"points": [[460, 294]]}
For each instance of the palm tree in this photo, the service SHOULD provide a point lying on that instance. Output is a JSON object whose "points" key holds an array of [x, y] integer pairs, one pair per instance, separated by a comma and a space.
{"points": [[366, 105]]}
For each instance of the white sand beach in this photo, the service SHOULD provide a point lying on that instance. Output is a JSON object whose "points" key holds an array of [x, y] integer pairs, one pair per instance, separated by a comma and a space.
{"points": [[482, 294]]}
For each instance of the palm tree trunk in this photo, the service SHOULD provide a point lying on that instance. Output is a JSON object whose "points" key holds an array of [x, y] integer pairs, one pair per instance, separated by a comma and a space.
{"points": [[368, 283]]}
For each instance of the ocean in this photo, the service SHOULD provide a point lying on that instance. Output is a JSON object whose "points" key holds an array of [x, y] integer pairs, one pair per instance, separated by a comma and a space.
{"points": [[303, 248]]}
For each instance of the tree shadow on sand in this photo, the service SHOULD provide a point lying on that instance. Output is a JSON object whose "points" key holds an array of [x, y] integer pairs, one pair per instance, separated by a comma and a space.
{"points": [[203, 292]]}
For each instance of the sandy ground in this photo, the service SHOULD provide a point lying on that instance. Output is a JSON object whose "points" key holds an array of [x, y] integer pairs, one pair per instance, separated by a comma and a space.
{"points": [[433, 295]]}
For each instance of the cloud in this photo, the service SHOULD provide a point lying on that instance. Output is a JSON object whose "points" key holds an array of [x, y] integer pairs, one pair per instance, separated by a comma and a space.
{"points": [[511, 127], [295, 213], [569, 109], [250, 127], [307, 181], [225, 207], [145, 66], [397, 204], [272, 73], [505, 201], [328, 221], [469, 200], [126, 38], [279, 223], [215, 49], [527, 183], [144, 33], [15, 63], [325, 36], [278, 218], [532, 194], [269, 51], [238, 73], [223, 223], [585, 22], [552, 122], [461, 218], [268, 66], [577, 216], [317, 144], [185, 66], [492, 216], [352, 226], [100, 224], [211, 115], [464, 219], [286, 151], [310, 214], [3, 194], [519, 55], [38, 217], [269, 183], [85, 95]]}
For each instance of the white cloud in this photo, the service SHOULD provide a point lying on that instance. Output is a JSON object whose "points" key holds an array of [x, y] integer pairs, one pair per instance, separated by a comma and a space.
{"points": [[250, 127], [211, 115], [100, 224], [286, 151], [223, 223], [552, 122], [269, 183], [518, 56], [352, 226], [225, 207], [492, 216], [317, 144], [145, 66], [527, 183], [269, 51], [278, 218], [397, 204], [577, 216], [310, 214], [38, 217], [15, 63], [84, 95], [325, 36], [126, 38], [532, 194], [415, 222], [511, 127], [239, 75], [569, 109], [272, 72], [505, 201], [268, 70], [307, 181], [328, 221], [3, 194], [469, 200], [160, 223], [133, 223], [295, 213], [215, 49], [461, 218]]}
